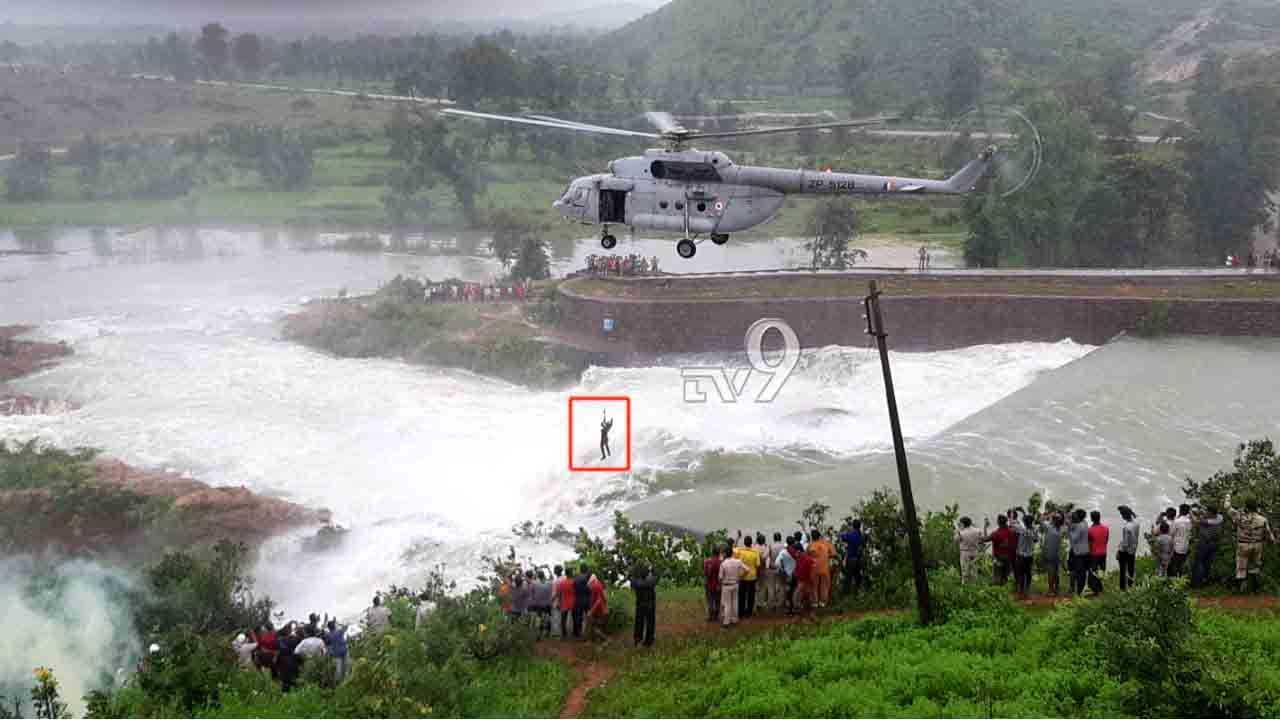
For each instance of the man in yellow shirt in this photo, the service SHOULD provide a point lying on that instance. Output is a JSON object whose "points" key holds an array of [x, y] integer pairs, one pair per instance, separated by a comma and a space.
{"points": [[747, 586], [822, 552]]}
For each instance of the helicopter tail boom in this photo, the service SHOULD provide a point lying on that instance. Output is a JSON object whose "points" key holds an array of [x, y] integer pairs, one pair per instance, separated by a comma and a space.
{"points": [[810, 182]]}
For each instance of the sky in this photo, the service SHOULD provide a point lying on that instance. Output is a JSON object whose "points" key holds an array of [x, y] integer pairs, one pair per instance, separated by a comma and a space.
{"points": [[188, 12]]}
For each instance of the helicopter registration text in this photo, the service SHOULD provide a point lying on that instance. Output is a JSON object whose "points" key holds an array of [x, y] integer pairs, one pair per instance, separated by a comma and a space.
{"points": [[818, 185]]}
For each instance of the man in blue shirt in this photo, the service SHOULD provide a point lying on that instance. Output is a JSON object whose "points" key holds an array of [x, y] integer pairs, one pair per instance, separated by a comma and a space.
{"points": [[854, 545]]}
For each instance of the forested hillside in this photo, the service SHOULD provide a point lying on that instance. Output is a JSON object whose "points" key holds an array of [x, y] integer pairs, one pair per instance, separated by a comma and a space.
{"points": [[903, 48]]}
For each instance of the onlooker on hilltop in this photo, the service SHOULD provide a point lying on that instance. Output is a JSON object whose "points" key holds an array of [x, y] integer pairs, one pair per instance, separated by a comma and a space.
{"points": [[747, 584], [1208, 530], [335, 641], [711, 585], [1099, 536], [731, 571], [1252, 530], [1026, 550], [378, 617], [1078, 561], [1004, 548], [1181, 532], [564, 599], [645, 584], [970, 541], [1050, 550], [1127, 553], [854, 562]]}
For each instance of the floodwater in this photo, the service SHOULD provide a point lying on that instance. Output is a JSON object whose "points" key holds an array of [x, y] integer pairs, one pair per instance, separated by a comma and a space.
{"points": [[178, 365]]}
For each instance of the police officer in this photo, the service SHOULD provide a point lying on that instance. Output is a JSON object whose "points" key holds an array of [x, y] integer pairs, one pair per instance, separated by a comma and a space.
{"points": [[1252, 529]]}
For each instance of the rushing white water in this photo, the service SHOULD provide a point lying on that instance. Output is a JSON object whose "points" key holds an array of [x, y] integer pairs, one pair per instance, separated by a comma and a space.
{"points": [[177, 365]]}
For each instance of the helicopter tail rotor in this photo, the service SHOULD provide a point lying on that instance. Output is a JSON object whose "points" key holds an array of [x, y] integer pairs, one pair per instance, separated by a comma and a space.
{"points": [[1020, 149]]}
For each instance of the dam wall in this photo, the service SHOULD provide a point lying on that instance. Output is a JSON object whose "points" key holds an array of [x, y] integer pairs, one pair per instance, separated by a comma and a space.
{"points": [[650, 326]]}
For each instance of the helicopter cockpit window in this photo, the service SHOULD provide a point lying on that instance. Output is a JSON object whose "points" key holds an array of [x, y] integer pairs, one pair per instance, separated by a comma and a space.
{"points": [[684, 171], [579, 196]]}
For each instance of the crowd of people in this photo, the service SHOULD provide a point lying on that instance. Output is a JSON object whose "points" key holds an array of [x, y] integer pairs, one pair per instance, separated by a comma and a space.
{"points": [[473, 292], [622, 265], [790, 575], [1086, 537], [283, 653], [794, 575], [571, 601], [1267, 260]]}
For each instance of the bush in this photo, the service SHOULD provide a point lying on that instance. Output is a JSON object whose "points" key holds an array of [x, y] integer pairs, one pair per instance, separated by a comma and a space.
{"points": [[30, 174], [1141, 634], [675, 560], [1255, 474]]}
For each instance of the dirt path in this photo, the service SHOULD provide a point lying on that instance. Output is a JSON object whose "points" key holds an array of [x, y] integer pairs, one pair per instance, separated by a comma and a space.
{"points": [[595, 665]]}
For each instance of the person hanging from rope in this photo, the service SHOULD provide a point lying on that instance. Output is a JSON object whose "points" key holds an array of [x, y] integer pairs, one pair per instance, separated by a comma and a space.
{"points": [[605, 426]]}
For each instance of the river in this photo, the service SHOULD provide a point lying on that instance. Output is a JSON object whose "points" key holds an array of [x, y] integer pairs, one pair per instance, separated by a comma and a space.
{"points": [[178, 365]]}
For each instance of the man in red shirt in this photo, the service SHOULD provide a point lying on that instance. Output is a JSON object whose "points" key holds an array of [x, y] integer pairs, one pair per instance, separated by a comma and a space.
{"points": [[711, 583], [563, 590], [598, 611], [1004, 546], [1099, 535], [805, 577]]}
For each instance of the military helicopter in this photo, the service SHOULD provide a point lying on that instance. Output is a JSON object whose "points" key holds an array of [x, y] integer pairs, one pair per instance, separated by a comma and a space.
{"points": [[698, 193]]}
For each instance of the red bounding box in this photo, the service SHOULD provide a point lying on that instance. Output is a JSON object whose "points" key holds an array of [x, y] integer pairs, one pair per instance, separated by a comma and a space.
{"points": [[584, 448]]}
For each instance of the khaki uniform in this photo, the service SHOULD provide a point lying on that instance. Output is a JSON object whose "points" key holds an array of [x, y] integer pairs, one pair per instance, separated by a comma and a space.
{"points": [[970, 540], [1252, 529]]}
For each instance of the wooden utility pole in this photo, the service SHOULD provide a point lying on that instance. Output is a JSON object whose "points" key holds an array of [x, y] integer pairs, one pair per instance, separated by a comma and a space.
{"points": [[875, 327]]}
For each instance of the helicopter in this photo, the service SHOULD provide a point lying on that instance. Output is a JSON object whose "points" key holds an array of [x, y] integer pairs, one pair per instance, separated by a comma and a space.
{"points": [[703, 194]]}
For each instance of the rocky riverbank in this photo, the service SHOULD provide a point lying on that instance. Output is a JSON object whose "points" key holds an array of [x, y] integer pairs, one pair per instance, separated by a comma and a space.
{"points": [[76, 502], [21, 357]]}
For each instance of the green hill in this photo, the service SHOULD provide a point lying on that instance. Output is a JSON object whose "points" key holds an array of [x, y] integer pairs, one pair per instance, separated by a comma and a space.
{"points": [[743, 47]]}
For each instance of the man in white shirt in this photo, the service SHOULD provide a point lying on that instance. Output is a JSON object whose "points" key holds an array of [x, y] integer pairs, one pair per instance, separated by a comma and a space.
{"points": [[731, 571], [310, 647], [1181, 531], [378, 618]]}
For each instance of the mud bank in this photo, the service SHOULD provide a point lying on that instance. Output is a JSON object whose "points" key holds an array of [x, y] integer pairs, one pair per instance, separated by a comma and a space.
{"points": [[74, 502]]}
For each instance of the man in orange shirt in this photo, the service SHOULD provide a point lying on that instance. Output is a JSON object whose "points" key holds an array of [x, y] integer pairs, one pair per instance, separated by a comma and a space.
{"points": [[822, 552]]}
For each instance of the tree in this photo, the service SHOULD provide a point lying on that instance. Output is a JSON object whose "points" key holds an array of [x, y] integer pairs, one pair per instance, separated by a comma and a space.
{"points": [[177, 58], [1037, 225], [285, 160], [1232, 158], [963, 90], [856, 77], [1129, 218], [88, 154], [832, 224], [248, 53], [30, 173], [212, 47]]}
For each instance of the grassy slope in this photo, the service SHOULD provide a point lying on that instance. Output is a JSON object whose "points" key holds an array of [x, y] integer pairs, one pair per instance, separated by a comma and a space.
{"points": [[1002, 665]]}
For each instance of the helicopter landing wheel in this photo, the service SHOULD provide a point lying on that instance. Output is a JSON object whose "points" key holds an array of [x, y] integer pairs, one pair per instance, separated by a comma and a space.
{"points": [[609, 242], [686, 248], [719, 238]]}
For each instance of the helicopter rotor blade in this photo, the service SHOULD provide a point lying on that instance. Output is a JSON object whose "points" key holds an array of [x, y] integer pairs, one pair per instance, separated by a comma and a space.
{"points": [[796, 128], [550, 123], [586, 127]]}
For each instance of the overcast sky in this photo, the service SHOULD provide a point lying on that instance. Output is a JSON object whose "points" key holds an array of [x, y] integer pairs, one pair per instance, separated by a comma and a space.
{"points": [[188, 12]]}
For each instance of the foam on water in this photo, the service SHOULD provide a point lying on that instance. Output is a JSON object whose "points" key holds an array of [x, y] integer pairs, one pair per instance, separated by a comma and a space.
{"points": [[177, 366]]}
